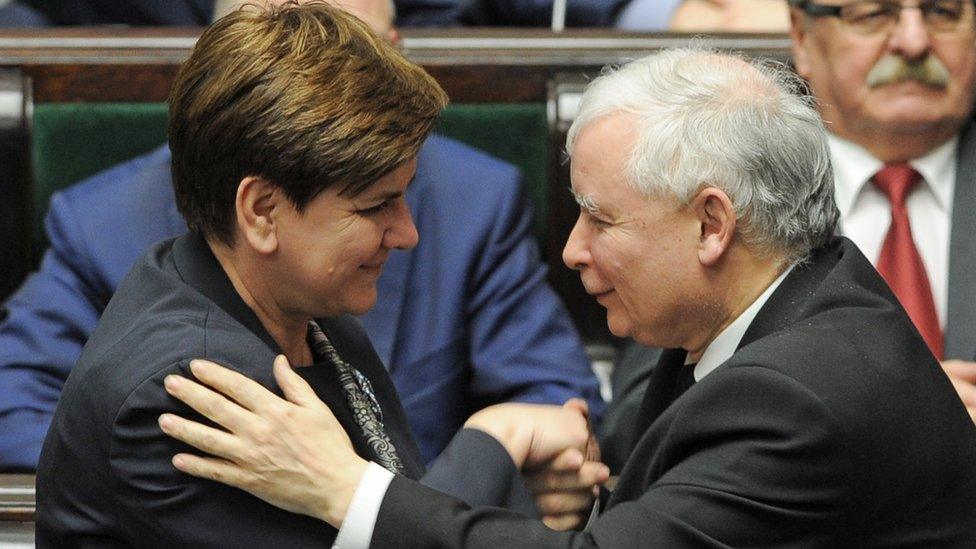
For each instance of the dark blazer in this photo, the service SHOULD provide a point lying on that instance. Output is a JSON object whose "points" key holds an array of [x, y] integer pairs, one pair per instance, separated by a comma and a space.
{"points": [[632, 369], [497, 332], [830, 426], [105, 478]]}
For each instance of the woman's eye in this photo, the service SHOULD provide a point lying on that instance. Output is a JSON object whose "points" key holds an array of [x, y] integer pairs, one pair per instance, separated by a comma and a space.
{"points": [[375, 209]]}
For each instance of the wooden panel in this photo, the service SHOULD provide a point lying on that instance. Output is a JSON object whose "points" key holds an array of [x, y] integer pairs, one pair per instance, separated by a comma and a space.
{"points": [[16, 498], [473, 65]]}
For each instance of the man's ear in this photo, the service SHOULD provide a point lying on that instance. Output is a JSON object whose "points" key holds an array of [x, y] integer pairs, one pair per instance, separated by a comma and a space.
{"points": [[256, 202], [798, 45], [717, 219]]}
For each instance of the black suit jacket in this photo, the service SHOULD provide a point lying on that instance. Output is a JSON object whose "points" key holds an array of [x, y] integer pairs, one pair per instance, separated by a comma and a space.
{"points": [[105, 477], [830, 426]]}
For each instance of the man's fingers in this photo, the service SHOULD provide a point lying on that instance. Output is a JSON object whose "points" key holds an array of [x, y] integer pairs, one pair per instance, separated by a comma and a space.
{"points": [[588, 475], [966, 391], [210, 440], [563, 522], [210, 404], [245, 391], [960, 369], [579, 405], [295, 388], [569, 460], [212, 468], [563, 503]]}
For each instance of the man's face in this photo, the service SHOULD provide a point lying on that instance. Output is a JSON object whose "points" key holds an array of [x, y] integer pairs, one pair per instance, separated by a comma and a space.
{"points": [[632, 252], [330, 256], [837, 62]]}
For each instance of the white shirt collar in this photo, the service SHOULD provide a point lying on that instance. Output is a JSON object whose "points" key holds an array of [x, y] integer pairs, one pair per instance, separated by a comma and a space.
{"points": [[854, 167], [723, 346]]}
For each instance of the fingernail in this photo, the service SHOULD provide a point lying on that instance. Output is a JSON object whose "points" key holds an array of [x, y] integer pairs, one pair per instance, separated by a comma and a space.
{"points": [[165, 421], [605, 472], [171, 382], [198, 367], [178, 461]]}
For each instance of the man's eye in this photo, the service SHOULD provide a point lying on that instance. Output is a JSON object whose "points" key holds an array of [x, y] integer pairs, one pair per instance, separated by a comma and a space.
{"points": [[597, 222]]}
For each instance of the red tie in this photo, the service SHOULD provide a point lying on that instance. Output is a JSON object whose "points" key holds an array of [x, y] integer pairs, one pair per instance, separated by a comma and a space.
{"points": [[900, 264]]}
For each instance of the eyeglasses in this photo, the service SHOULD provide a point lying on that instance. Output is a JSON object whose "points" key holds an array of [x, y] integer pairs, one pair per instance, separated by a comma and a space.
{"points": [[878, 16]]}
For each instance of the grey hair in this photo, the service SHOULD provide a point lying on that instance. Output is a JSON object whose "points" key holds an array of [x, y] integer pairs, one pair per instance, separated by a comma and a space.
{"points": [[709, 119]]}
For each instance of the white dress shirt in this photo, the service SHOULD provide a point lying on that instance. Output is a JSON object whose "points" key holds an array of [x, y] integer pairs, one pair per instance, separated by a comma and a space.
{"points": [[357, 530], [866, 214], [723, 346]]}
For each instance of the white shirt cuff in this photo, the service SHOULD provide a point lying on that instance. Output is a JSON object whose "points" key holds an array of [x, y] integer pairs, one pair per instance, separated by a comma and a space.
{"points": [[357, 530]]}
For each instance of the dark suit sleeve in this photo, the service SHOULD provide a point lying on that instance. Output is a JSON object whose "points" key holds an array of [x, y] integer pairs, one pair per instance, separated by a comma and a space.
{"points": [[47, 323], [494, 482], [158, 506], [751, 458]]}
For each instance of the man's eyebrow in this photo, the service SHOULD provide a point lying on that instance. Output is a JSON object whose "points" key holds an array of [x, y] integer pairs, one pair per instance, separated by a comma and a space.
{"points": [[585, 201]]}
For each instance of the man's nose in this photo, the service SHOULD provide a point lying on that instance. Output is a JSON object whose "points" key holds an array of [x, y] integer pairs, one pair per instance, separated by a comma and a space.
{"points": [[576, 253], [911, 37]]}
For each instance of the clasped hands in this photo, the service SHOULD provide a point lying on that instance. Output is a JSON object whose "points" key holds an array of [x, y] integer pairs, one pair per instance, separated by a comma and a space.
{"points": [[294, 454]]}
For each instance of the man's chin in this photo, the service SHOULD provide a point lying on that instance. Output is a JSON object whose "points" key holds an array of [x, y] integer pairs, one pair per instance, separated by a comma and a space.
{"points": [[618, 327]]}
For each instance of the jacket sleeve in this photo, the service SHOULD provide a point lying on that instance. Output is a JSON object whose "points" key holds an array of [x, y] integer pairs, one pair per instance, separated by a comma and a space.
{"points": [[494, 482], [753, 459], [159, 506], [45, 325]]}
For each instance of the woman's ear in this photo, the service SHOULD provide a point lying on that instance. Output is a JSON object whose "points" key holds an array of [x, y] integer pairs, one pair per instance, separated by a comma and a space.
{"points": [[256, 204], [717, 219]]}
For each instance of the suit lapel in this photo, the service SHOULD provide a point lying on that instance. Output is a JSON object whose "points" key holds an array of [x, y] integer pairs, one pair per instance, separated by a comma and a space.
{"points": [[960, 337]]}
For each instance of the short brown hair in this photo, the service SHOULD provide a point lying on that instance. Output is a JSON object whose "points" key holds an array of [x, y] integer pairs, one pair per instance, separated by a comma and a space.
{"points": [[304, 96]]}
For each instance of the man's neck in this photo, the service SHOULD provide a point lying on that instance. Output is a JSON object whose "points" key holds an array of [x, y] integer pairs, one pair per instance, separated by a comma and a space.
{"points": [[747, 281]]}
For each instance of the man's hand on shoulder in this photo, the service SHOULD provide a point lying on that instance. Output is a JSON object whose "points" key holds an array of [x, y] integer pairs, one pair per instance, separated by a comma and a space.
{"points": [[292, 453], [962, 374]]}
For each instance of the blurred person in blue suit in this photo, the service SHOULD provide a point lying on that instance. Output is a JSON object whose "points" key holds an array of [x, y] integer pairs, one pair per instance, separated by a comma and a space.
{"points": [[463, 320]]}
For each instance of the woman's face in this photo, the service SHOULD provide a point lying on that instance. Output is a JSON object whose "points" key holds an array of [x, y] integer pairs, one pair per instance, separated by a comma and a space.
{"points": [[331, 255]]}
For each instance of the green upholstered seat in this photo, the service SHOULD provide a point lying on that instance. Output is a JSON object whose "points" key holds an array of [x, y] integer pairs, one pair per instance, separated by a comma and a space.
{"points": [[74, 140]]}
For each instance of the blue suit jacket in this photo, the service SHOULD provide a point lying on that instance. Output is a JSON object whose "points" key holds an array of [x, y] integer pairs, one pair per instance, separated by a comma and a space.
{"points": [[463, 320]]}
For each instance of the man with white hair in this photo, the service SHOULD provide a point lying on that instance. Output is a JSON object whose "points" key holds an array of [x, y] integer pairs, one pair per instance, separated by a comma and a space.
{"points": [[795, 406], [894, 83]]}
